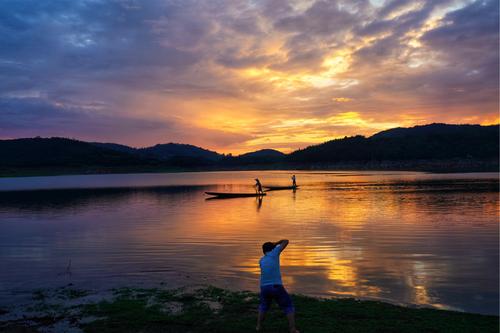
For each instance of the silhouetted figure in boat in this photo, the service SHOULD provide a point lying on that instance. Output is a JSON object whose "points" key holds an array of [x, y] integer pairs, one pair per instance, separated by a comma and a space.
{"points": [[294, 182], [258, 186], [271, 286]]}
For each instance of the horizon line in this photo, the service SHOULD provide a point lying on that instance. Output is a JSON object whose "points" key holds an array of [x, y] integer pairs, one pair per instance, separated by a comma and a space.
{"points": [[226, 154]]}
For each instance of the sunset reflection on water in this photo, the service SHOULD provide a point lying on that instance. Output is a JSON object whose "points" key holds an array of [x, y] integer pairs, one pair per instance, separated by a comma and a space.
{"points": [[404, 237]]}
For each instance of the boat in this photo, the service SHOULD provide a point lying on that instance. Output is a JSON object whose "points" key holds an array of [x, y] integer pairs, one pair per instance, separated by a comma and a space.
{"points": [[234, 194], [279, 188]]}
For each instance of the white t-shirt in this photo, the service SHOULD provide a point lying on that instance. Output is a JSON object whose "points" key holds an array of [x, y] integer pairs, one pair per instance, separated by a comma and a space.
{"points": [[270, 267]]}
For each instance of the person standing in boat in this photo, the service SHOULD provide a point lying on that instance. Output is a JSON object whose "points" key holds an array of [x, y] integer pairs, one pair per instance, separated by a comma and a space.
{"points": [[294, 183], [258, 186]]}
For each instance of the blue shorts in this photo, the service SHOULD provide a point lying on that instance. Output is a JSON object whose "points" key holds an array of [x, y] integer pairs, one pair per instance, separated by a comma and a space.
{"points": [[278, 293]]}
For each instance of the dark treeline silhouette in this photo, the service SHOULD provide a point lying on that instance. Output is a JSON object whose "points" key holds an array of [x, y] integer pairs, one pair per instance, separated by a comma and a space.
{"points": [[262, 157], [50, 152], [435, 141], [470, 147]]}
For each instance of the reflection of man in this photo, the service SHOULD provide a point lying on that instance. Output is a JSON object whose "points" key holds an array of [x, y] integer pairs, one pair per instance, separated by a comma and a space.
{"points": [[259, 203], [271, 286]]}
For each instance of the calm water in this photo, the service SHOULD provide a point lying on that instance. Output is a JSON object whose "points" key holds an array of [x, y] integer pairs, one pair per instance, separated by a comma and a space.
{"points": [[410, 238]]}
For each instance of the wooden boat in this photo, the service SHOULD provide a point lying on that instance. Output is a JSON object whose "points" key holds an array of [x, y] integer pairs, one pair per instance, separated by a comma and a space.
{"points": [[279, 188], [234, 194]]}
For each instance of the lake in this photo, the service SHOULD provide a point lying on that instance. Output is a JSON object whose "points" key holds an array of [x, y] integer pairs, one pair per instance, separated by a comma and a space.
{"points": [[404, 237]]}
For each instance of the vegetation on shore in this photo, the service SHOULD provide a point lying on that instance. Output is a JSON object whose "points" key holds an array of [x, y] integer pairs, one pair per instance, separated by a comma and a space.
{"points": [[435, 147], [210, 309], [435, 166]]}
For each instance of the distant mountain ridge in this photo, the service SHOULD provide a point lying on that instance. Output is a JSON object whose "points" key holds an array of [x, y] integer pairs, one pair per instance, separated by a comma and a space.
{"points": [[164, 151], [432, 142], [272, 153], [177, 151], [53, 152], [115, 146], [263, 156], [434, 129], [170, 150]]}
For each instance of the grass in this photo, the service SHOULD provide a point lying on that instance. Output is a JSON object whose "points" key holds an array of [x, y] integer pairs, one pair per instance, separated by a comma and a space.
{"points": [[73, 293], [211, 309]]}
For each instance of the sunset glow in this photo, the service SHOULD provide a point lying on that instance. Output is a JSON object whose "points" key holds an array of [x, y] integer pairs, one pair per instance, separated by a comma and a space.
{"points": [[237, 76]]}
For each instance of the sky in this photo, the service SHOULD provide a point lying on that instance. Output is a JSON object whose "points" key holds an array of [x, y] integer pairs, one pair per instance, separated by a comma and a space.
{"points": [[237, 76]]}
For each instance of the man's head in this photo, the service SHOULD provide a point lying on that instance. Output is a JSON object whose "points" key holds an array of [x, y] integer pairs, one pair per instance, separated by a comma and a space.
{"points": [[267, 247]]}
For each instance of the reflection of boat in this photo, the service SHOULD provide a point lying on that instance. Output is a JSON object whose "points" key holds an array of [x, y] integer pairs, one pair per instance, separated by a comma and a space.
{"points": [[278, 188], [234, 194]]}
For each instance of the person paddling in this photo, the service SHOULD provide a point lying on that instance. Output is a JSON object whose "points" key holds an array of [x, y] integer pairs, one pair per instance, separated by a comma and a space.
{"points": [[294, 183], [258, 186], [271, 286]]}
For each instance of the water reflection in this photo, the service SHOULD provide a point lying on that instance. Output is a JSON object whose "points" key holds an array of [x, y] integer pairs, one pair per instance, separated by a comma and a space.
{"points": [[259, 203], [61, 199], [410, 238]]}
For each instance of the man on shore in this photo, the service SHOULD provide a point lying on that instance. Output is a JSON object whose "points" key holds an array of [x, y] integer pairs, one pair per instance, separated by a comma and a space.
{"points": [[271, 286]]}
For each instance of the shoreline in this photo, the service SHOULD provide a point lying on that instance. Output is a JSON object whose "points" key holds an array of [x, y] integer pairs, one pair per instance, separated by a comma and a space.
{"points": [[432, 166], [210, 309]]}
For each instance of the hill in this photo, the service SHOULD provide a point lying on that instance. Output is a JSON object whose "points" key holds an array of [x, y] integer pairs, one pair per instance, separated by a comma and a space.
{"points": [[176, 150], [436, 129], [36, 156], [116, 147], [436, 147], [55, 152], [188, 155], [429, 142], [171, 154], [263, 156], [267, 153]]}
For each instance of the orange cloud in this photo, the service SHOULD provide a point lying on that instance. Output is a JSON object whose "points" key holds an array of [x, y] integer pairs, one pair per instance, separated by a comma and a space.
{"points": [[235, 77]]}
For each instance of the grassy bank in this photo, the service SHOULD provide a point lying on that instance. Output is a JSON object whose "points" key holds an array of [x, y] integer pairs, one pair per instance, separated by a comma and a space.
{"points": [[210, 309]]}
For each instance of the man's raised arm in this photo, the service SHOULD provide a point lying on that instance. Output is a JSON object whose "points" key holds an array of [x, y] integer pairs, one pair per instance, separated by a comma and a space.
{"points": [[283, 244]]}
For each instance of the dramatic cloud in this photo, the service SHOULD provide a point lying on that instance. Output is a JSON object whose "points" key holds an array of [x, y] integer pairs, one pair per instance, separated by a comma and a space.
{"points": [[241, 75]]}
